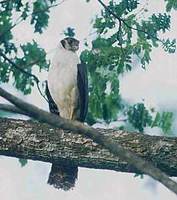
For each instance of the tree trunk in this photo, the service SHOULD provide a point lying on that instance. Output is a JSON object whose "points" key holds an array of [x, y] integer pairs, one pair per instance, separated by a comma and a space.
{"points": [[39, 141]]}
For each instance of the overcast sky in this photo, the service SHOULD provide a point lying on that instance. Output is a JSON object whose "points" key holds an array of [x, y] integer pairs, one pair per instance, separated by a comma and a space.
{"points": [[157, 85]]}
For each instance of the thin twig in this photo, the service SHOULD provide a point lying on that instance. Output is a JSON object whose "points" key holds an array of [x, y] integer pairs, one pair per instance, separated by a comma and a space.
{"points": [[19, 68], [124, 22]]}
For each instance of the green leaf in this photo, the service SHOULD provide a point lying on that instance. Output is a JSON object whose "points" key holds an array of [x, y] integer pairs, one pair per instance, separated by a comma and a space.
{"points": [[139, 116], [157, 120], [40, 15], [169, 46], [161, 21], [25, 11], [23, 162], [69, 32], [164, 121], [33, 57], [4, 71], [171, 4], [139, 175]]}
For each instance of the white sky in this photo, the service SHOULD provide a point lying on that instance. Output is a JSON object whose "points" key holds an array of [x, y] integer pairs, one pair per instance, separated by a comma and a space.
{"points": [[29, 183], [157, 85]]}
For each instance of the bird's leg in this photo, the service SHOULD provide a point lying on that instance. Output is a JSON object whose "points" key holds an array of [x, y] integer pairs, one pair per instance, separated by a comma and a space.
{"points": [[71, 112], [73, 103]]}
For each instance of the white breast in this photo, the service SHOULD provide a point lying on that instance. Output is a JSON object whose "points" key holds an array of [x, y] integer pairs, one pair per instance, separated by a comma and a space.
{"points": [[62, 77]]}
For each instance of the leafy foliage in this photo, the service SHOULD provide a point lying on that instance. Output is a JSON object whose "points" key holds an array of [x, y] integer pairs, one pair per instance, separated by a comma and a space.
{"points": [[30, 50], [169, 46], [25, 12], [28, 56], [120, 41], [164, 121], [171, 4], [139, 116], [12, 4], [40, 15], [29, 60]]}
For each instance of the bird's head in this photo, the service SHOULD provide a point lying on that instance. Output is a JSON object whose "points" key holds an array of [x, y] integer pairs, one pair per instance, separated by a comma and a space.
{"points": [[71, 44]]}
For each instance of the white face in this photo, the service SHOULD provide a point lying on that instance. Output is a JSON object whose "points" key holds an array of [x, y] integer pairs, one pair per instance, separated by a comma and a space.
{"points": [[70, 44]]}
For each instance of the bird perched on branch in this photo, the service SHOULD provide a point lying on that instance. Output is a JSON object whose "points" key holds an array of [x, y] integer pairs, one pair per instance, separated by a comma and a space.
{"points": [[67, 93], [67, 82]]}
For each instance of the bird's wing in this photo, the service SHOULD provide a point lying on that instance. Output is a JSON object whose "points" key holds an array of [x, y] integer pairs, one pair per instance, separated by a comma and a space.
{"points": [[52, 105], [82, 82]]}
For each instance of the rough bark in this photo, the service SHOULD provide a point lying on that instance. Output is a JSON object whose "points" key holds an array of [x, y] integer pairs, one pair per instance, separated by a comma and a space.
{"points": [[39, 141]]}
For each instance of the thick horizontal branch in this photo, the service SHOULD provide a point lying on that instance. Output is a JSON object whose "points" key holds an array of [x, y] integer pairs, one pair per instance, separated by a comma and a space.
{"points": [[38, 141], [76, 127]]}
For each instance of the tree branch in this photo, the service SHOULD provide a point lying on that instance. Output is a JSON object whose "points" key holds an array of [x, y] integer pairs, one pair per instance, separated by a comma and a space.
{"points": [[11, 108], [105, 141], [38, 141]]}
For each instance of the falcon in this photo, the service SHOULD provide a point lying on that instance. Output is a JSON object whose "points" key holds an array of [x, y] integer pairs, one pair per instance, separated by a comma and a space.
{"points": [[67, 93], [67, 89]]}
